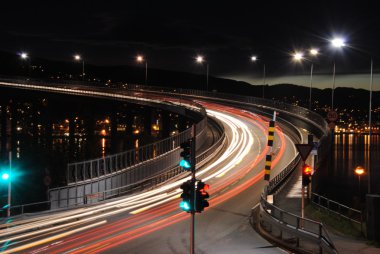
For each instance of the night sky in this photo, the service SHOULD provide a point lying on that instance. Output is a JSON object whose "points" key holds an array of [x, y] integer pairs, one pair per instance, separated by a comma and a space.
{"points": [[170, 34]]}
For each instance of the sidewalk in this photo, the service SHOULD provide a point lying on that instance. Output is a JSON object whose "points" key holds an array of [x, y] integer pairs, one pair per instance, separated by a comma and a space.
{"points": [[289, 199]]}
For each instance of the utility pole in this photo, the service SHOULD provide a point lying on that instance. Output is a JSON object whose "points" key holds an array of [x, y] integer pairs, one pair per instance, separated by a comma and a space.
{"points": [[193, 180]]}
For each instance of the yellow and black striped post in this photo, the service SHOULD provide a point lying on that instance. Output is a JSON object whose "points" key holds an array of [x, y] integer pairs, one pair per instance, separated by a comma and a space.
{"points": [[268, 158]]}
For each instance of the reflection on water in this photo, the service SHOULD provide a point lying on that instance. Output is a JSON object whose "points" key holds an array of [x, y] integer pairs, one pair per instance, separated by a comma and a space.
{"points": [[339, 181], [45, 132]]}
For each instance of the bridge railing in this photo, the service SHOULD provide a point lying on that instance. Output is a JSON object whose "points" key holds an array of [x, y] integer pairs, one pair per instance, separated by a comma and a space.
{"points": [[89, 170], [126, 168], [338, 209], [299, 234], [296, 233], [61, 197], [100, 167], [308, 115]]}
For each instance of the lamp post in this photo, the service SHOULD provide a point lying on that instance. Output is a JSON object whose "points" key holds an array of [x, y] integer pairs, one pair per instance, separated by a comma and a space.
{"points": [[78, 58], [254, 59], [336, 43], [313, 52], [141, 59], [25, 57], [359, 170], [200, 60], [370, 127]]}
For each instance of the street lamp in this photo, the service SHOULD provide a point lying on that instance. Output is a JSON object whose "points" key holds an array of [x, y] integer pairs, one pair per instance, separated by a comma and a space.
{"points": [[254, 59], [298, 56], [335, 43], [313, 52], [25, 57], [369, 128], [141, 59], [79, 58], [200, 60], [359, 170]]}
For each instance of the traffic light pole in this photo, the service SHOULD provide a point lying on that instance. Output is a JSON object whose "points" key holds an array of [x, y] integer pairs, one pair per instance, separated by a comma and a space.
{"points": [[9, 186], [193, 180]]}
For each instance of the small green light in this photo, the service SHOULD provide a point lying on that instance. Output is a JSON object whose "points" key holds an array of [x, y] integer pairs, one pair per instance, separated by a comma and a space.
{"points": [[185, 206], [185, 164], [5, 176]]}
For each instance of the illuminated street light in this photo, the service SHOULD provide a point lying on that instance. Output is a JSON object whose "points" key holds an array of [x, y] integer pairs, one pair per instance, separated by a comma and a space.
{"points": [[200, 60], [336, 43], [254, 59], [298, 56], [79, 58], [370, 128], [24, 55], [359, 170], [141, 59], [313, 52]]}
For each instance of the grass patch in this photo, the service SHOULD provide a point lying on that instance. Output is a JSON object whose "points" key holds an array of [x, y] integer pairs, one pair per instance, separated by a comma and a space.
{"points": [[334, 221]]}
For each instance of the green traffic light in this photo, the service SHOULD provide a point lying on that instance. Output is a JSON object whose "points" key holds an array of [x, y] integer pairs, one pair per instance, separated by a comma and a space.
{"points": [[5, 176], [185, 206], [185, 164]]}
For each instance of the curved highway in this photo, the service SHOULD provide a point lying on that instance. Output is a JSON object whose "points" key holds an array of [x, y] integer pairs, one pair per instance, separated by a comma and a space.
{"points": [[152, 221]]}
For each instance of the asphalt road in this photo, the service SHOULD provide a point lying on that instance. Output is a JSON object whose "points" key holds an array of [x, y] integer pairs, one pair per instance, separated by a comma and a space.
{"points": [[153, 223]]}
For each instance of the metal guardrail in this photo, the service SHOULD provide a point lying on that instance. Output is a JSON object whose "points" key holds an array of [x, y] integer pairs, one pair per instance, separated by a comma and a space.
{"points": [[304, 235], [300, 234], [102, 167], [146, 183], [341, 210], [307, 115]]}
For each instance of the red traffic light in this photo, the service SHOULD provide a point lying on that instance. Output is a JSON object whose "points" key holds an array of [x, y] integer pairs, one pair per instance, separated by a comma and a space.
{"points": [[306, 170], [306, 175], [201, 196]]}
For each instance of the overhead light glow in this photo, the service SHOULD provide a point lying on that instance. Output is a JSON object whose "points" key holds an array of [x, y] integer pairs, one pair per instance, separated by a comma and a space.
{"points": [[314, 52], [298, 56], [338, 42], [24, 55]]}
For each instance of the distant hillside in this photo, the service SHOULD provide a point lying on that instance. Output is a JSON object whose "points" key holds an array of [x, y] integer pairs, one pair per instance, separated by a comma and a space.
{"points": [[12, 65]]}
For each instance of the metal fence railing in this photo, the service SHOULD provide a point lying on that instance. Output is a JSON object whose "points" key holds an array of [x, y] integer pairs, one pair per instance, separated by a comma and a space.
{"points": [[334, 207], [287, 228], [307, 115], [149, 182], [101, 167], [294, 231]]}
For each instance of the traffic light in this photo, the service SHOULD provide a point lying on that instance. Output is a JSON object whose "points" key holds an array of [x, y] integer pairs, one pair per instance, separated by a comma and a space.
{"points": [[187, 196], [200, 196], [186, 155], [306, 174], [5, 176]]}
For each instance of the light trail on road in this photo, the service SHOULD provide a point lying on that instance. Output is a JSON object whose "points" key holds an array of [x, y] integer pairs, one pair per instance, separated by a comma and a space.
{"points": [[149, 207]]}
